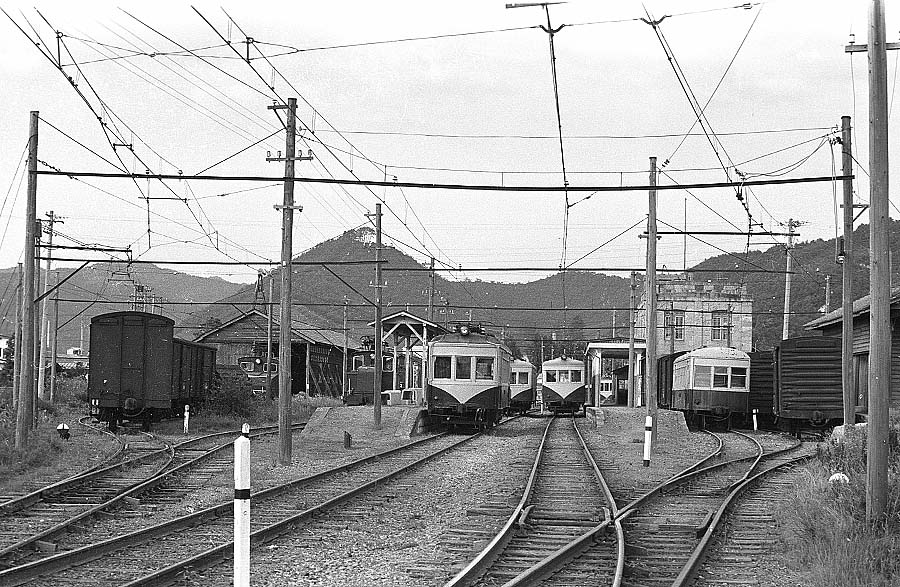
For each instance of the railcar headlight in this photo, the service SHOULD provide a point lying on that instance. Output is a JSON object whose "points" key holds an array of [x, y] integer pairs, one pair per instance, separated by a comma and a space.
{"points": [[464, 330]]}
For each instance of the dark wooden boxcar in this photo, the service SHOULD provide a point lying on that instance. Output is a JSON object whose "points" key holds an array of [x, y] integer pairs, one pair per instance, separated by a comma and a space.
{"points": [[808, 379], [140, 372], [762, 382], [664, 379]]}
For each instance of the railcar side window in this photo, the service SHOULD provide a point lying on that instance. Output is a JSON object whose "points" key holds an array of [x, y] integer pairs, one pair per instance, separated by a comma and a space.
{"points": [[738, 377], [549, 376], [463, 367], [702, 376], [484, 368], [576, 376], [442, 367], [720, 376]]}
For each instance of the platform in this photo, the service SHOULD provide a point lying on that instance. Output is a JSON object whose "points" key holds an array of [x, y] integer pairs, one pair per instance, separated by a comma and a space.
{"points": [[329, 424], [609, 419]]}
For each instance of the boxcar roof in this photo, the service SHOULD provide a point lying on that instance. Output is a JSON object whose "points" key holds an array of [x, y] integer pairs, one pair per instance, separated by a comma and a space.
{"points": [[131, 313]]}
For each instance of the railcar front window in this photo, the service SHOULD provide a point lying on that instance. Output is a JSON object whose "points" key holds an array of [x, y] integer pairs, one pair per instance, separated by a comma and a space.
{"points": [[247, 366], [720, 376], [562, 376], [442, 367], [513, 379], [484, 368], [549, 376], [576, 376], [523, 377], [463, 367], [702, 375], [738, 377]]}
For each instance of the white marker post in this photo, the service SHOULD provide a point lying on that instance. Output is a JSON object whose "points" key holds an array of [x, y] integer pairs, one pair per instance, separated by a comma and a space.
{"points": [[648, 439], [755, 412], [242, 508], [187, 417]]}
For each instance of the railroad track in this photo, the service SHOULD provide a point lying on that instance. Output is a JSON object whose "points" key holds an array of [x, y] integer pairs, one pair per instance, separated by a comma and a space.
{"points": [[204, 538], [662, 535], [564, 495], [70, 470], [136, 488]]}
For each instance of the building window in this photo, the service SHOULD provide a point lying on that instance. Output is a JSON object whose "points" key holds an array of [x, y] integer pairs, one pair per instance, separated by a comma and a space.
{"points": [[674, 321], [721, 323]]}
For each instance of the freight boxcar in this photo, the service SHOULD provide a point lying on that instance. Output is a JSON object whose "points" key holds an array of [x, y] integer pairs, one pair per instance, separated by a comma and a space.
{"points": [[140, 372], [762, 386], [664, 367], [808, 379]]}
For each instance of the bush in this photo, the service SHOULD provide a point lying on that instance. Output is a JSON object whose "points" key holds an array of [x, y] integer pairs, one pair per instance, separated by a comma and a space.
{"points": [[827, 525]]}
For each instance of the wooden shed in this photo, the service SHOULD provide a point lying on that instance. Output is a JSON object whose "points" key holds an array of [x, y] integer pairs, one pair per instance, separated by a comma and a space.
{"points": [[831, 324], [317, 352]]}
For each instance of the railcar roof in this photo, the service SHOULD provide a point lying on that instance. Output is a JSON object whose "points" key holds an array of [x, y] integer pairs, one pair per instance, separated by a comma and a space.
{"points": [[521, 364], [567, 362], [715, 352]]}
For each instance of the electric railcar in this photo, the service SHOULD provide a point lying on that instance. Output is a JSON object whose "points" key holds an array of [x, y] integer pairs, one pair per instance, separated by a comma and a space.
{"points": [[468, 378], [711, 382], [521, 386], [563, 385]]}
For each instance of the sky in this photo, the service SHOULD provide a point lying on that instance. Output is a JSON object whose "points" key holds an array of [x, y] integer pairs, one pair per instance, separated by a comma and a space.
{"points": [[471, 104]]}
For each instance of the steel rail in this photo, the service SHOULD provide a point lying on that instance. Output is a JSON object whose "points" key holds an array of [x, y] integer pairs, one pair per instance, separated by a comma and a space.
{"points": [[573, 548], [20, 574], [225, 551], [690, 569], [559, 558], [482, 559], [141, 487]]}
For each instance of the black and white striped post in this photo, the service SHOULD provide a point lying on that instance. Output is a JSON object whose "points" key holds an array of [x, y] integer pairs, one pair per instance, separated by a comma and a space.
{"points": [[648, 439], [187, 417], [755, 424], [242, 508]]}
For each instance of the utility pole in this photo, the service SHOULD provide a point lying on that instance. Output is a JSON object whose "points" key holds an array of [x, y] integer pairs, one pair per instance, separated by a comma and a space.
{"points": [[284, 325], [614, 323], [845, 257], [54, 327], [17, 350], [651, 304], [270, 306], [36, 342], [344, 390], [376, 390], [45, 321], [792, 224], [431, 294], [25, 413], [879, 271], [631, 317]]}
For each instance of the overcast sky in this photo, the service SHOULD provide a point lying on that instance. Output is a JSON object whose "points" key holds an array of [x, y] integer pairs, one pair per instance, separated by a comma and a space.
{"points": [[466, 109]]}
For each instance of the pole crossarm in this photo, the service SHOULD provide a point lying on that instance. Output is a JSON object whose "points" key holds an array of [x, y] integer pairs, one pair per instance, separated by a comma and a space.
{"points": [[450, 186], [722, 233], [863, 48]]}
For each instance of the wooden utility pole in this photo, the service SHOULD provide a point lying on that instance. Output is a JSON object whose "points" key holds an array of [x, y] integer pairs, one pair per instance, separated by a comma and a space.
{"points": [[376, 391], [25, 413], [54, 327], [344, 390], [787, 279], [651, 304], [431, 294], [630, 382], [846, 258], [284, 323], [270, 306], [45, 320], [879, 271], [17, 350]]}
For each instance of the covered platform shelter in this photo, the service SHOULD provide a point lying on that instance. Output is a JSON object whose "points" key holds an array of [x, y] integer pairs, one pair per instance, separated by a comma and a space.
{"points": [[604, 360], [408, 336]]}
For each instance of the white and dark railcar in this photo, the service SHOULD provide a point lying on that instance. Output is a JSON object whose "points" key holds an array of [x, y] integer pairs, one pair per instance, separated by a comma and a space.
{"points": [[563, 387], [521, 386], [711, 382], [468, 378]]}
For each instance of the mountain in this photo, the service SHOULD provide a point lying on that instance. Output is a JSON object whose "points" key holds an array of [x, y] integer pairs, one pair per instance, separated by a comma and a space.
{"points": [[107, 287], [812, 261], [495, 305]]}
